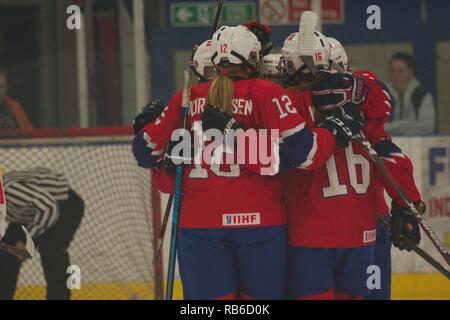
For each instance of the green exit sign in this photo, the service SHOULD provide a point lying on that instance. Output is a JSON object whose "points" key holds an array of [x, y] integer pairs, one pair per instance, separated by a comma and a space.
{"points": [[195, 14]]}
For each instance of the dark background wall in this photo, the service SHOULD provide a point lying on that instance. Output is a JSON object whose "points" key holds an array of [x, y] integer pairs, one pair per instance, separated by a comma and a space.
{"points": [[40, 53], [19, 51], [401, 22]]}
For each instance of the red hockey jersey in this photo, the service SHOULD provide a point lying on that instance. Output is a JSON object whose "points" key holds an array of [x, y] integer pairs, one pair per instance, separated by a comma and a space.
{"points": [[337, 205], [233, 195]]}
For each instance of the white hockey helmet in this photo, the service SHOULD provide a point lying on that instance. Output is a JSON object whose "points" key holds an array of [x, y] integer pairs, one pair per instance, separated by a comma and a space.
{"points": [[236, 45], [273, 67], [201, 63], [338, 55], [291, 53]]}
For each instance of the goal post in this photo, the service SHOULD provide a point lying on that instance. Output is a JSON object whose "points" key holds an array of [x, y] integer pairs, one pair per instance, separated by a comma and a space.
{"points": [[114, 244]]}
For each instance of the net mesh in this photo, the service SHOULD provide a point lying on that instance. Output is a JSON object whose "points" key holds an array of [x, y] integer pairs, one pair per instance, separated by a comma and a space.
{"points": [[113, 245]]}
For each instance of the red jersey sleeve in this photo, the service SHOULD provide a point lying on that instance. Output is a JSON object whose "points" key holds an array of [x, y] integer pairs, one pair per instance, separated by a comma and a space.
{"points": [[164, 181], [376, 112], [325, 141]]}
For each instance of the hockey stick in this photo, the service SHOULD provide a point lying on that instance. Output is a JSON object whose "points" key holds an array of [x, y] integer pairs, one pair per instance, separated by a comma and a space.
{"points": [[177, 194], [170, 201], [217, 17], [414, 210], [162, 232], [26, 253], [307, 26], [422, 253]]}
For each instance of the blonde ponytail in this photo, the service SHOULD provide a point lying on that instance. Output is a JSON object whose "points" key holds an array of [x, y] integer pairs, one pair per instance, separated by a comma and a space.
{"points": [[221, 93]]}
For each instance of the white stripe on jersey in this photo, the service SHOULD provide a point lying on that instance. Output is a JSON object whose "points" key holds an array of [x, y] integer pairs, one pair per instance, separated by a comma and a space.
{"points": [[312, 153], [389, 159], [398, 154], [290, 132]]}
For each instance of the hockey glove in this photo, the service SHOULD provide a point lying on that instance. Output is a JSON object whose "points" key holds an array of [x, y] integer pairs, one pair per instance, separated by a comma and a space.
{"points": [[404, 225], [215, 118], [147, 114], [343, 123], [177, 154], [337, 89]]}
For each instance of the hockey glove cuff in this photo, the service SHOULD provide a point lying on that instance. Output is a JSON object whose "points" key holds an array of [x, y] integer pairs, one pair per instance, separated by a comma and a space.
{"points": [[337, 89]]}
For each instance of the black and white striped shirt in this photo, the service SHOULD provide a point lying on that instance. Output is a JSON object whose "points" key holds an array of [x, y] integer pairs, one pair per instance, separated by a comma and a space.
{"points": [[32, 198]]}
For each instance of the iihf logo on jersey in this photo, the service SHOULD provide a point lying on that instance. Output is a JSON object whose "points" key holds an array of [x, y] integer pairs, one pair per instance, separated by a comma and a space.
{"points": [[241, 219], [369, 236]]}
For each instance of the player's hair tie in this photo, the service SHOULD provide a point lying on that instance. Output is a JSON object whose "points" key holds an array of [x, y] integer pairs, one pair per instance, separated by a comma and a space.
{"points": [[225, 72]]}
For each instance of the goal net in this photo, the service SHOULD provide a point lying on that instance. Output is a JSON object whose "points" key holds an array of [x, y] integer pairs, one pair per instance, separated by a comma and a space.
{"points": [[114, 244]]}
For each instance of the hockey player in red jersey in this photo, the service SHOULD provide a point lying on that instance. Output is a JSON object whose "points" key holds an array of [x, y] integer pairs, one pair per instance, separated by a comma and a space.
{"points": [[203, 68], [333, 216], [232, 228], [400, 167], [382, 258]]}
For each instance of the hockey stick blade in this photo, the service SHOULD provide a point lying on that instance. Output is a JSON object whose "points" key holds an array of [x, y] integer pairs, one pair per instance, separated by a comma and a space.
{"points": [[21, 253], [26, 253], [307, 26], [29, 246]]}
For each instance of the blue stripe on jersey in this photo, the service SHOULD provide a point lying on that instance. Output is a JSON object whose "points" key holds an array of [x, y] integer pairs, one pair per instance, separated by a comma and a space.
{"points": [[385, 147], [143, 152], [296, 148]]}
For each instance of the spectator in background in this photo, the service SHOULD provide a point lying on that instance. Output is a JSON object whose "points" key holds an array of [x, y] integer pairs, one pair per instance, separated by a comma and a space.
{"points": [[413, 111], [12, 115]]}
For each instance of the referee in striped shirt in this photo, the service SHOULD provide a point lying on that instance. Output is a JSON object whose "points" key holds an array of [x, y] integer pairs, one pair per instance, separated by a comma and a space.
{"points": [[43, 201]]}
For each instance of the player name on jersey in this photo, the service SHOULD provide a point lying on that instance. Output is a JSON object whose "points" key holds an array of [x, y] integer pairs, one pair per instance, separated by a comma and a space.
{"points": [[240, 106]]}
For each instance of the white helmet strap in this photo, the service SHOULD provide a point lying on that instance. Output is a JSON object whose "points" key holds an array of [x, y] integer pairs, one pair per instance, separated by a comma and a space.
{"points": [[240, 57]]}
